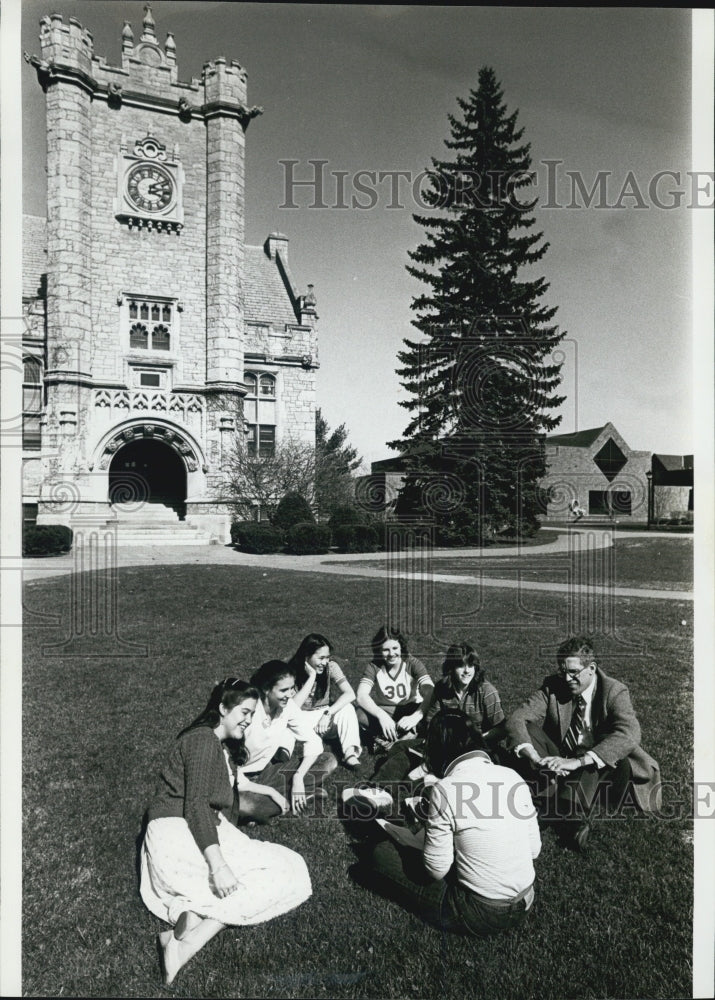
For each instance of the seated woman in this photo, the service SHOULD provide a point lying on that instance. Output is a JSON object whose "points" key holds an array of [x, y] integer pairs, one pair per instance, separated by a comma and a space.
{"points": [[393, 692], [463, 685], [472, 871], [276, 714], [326, 697], [198, 872]]}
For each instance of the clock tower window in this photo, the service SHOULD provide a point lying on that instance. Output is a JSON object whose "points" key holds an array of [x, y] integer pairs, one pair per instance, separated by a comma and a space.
{"points": [[149, 324]]}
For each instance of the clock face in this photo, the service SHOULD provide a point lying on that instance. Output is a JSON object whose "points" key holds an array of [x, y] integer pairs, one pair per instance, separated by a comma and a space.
{"points": [[149, 187]]}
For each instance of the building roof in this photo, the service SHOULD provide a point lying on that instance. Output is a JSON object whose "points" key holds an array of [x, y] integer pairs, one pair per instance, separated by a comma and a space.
{"points": [[268, 288], [34, 254], [578, 439], [673, 462]]}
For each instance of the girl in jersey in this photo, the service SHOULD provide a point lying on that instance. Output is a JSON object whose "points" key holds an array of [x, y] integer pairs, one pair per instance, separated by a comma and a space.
{"points": [[393, 691]]}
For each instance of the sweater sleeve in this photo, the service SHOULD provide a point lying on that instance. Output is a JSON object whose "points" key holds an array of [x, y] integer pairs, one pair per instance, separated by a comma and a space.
{"points": [[492, 712], [204, 767]]}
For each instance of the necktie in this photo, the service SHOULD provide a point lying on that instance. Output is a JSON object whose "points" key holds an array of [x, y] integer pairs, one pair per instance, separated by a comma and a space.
{"points": [[576, 728]]}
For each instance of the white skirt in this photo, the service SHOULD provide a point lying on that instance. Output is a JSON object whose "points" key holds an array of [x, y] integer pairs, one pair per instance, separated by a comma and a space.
{"points": [[175, 875]]}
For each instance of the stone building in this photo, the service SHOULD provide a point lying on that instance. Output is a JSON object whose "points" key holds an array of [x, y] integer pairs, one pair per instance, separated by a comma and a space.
{"points": [[157, 341], [601, 471]]}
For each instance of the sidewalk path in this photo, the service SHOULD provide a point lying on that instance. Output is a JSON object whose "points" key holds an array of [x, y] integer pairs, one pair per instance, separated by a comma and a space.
{"points": [[349, 565]]}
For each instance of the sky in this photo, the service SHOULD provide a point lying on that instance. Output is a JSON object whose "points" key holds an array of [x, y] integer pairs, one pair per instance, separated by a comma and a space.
{"points": [[370, 87]]}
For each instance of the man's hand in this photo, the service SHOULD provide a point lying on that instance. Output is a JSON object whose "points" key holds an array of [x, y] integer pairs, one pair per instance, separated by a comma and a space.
{"points": [[561, 765]]}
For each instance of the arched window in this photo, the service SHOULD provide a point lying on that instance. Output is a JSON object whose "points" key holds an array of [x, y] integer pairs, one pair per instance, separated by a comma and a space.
{"points": [[157, 326], [260, 413], [31, 402], [139, 336], [160, 340]]}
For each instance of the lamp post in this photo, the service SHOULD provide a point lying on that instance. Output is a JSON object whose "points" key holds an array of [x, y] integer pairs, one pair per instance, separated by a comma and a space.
{"points": [[649, 477]]}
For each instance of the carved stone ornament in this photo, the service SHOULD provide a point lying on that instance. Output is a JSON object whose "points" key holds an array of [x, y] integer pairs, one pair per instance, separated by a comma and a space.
{"points": [[306, 360], [150, 148]]}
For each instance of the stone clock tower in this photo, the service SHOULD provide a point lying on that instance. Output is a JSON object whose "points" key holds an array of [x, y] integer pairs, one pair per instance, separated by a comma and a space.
{"points": [[146, 306]]}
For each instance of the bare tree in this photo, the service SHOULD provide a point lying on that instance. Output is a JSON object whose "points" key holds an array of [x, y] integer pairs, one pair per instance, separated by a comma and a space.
{"points": [[261, 480]]}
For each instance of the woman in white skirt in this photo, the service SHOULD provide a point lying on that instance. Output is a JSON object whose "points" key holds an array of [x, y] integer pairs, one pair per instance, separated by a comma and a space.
{"points": [[198, 872]]}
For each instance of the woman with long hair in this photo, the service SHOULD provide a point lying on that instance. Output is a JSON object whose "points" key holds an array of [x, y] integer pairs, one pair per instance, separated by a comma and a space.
{"points": [[393, 691], [464, 686], [325, 696], [276, 714], [198, 872]]}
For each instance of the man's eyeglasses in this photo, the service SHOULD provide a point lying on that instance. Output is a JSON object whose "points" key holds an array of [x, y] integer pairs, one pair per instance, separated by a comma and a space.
{"points": [[572, 674]]}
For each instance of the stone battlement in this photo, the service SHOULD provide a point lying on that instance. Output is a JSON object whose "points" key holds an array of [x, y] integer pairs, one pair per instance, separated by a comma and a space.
{"points": [[146, 66], [224, 81], [66, 44]]}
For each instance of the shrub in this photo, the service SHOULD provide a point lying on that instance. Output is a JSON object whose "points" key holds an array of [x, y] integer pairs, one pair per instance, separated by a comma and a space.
{"points": [[261, 539], [308, 539], [345, 515], [293, 509], [46, 539], [356, 538]]}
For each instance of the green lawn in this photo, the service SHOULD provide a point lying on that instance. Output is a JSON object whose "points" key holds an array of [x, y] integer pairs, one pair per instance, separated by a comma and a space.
{"points": [[652, 563], [96, 729]]}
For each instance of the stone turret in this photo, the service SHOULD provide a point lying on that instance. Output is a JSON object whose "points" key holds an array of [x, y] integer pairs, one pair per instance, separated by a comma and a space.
{"points": [[66, 45]]}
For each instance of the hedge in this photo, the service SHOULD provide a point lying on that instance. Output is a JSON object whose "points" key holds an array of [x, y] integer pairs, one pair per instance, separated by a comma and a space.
{"points": [[345, 515], [261, 539], [356, 538], [293, 509], [46, 539], [308, 539]]}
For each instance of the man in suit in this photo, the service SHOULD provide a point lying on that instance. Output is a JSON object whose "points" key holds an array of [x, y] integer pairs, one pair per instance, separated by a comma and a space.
{"points": [[578, 736]]}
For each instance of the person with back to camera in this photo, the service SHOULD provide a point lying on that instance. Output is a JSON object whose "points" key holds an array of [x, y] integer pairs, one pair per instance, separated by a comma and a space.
{"points": [[325, 696], [275, 714], [198, 872], [578, 737], [463, 686], [393, 690], [472, 869]]}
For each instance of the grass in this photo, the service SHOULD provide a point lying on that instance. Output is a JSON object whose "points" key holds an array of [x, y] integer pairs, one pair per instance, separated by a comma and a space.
{"points": [[97, 728], [651, 563]]}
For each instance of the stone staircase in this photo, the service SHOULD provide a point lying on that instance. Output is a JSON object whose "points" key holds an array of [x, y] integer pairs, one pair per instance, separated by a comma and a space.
{"points": [[152, 524]]}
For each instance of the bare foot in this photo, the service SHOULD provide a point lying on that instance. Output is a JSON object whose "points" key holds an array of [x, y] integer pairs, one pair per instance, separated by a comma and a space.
{"points": [[170, 957], [186, 923]]}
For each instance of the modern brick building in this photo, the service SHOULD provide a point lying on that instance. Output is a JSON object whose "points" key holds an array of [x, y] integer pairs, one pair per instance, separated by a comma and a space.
{"points": [[157, 341], [601, 471], [595, 468]]}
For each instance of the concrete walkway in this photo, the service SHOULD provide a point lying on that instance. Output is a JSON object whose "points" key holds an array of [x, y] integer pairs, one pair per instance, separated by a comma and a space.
{"points": [[349, 565]]}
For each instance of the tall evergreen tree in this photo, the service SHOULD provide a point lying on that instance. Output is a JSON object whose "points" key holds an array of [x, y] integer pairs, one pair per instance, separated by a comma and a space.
{"points": [[482, 379], [336, 464]]}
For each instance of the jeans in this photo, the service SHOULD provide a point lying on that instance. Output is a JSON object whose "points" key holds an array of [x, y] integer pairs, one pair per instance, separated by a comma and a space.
{"points": [[399, 874]]}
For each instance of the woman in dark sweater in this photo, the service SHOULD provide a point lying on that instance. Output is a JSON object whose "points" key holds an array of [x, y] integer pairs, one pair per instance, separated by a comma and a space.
{"points": [[198, 872]]}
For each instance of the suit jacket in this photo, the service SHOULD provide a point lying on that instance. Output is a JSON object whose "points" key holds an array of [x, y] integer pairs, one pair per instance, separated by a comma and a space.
{"points": [[615, 728]]}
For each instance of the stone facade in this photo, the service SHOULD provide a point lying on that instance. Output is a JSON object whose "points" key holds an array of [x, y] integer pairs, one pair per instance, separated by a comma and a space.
{"points": [[597, 468], [144, 305]]}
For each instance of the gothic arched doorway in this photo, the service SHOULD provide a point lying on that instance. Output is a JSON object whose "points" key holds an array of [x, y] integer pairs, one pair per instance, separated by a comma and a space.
{"points": [[148, 470]]}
